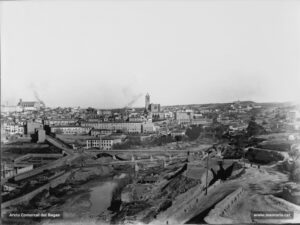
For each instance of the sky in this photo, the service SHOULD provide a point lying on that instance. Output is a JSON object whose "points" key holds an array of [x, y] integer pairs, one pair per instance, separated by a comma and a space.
{"points": [[108, 54]]}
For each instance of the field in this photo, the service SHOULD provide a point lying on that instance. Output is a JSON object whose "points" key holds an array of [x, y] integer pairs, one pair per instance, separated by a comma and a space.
{"points": [[74, 139]]}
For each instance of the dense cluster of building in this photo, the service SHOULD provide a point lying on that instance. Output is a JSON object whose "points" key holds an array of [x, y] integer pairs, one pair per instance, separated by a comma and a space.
{"points": [[105, 126]]}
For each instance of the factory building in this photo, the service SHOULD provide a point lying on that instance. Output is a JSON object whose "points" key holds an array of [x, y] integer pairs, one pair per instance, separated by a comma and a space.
{"points": [[30, 105]]}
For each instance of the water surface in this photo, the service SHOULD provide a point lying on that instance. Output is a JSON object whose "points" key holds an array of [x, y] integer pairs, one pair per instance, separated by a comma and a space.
{"points": [[100, 196]]}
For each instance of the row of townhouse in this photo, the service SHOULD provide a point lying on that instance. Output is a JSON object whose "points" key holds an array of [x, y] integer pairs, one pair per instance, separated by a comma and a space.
{"points": [[126, 127], [12, 128], [70, 129], [61, 122], [100, 132]]}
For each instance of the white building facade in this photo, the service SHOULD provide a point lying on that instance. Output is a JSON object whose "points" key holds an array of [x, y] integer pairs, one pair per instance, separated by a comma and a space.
{"points": [[105, 143]]}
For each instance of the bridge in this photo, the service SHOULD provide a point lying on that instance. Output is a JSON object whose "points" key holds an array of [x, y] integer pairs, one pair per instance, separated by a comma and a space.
{"points": [[128, 162], [149, 151], [59, 144]]}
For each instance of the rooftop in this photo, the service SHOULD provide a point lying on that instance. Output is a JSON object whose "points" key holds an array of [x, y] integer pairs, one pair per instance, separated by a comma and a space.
{"points": [[69, 126]]}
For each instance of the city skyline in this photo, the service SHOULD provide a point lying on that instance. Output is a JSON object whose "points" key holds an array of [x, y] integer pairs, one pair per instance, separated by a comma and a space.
{"points": [[109, 54]]}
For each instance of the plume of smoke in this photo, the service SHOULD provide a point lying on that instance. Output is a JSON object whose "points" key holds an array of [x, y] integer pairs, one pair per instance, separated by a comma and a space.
{"points": [[134, 99], [37, 97]]}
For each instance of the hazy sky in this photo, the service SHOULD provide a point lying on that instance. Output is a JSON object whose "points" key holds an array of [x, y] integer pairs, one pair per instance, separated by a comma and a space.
{"points": [[107, 53]]}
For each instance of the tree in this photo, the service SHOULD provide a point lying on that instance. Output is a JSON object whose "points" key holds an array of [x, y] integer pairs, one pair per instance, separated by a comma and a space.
{"points": [[220, 130], [91, 110], [254, 128], [178, 138], [194, 132]]}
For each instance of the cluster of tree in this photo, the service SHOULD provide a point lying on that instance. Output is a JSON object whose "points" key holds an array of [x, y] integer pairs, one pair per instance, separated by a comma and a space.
{"points": [[239, 141], [220, 130], [254, 128], [217, 130], [280, 116], [263, 157], [162, 140], [91, 110], [233, 153], [193, 132], [157, 141], [128, 144]]}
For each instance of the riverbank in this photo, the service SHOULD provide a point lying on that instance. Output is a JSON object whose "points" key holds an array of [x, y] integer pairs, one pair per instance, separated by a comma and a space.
{"points": [[77, 197], [92, 200]]}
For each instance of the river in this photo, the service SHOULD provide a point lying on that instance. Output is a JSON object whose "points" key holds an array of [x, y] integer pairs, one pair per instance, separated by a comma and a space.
{"points": [[100, 196], [93, 199]]}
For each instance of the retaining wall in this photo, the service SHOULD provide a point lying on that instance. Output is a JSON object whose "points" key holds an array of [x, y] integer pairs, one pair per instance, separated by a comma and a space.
{"points": [[57, 163], [32, 155], [223, 208], [193, 203], [51, 165], [26, 198]]}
